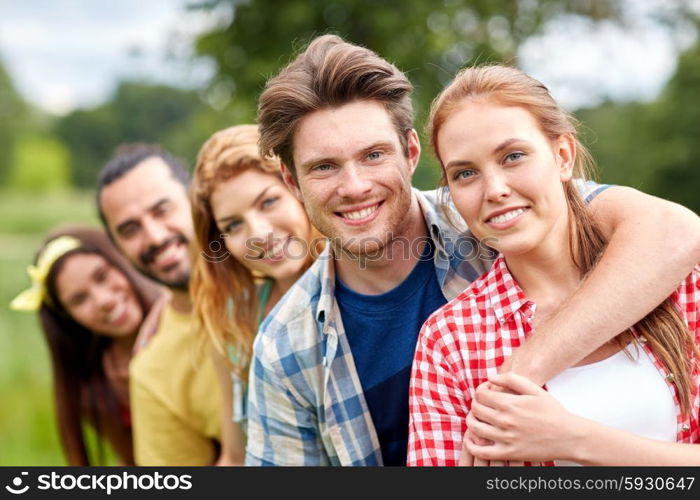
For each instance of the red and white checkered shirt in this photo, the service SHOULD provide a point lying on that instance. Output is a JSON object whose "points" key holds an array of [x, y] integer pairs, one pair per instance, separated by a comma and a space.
{"points": [[469, 338]]}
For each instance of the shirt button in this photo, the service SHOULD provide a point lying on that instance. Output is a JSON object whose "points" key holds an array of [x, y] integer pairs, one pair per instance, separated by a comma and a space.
{"points": [[670, 378], [685, 427]]}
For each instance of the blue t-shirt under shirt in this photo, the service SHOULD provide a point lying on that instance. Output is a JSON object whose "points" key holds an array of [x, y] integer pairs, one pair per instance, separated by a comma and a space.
{"points": [[383, 331]]}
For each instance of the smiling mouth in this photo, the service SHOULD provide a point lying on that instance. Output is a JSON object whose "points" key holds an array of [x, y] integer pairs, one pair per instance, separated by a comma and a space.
{"points": [[512, 214], [359, 214], [116, 313], [275, 253]]}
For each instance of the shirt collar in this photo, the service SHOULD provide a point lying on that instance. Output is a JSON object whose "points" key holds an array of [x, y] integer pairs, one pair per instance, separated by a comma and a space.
{"points": [[503, 292], [439, 229]]}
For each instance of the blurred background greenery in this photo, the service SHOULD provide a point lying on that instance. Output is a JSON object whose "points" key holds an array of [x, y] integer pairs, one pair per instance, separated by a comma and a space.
{"points": [[49, 163]]}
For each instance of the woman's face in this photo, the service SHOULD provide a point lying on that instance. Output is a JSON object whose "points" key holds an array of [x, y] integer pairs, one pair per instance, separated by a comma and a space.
{"points": [[505, 176], [98, 296], [264, 226]]}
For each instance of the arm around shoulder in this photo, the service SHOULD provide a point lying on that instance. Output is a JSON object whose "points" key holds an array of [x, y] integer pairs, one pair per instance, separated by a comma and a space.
{"points": [[653, 244]]}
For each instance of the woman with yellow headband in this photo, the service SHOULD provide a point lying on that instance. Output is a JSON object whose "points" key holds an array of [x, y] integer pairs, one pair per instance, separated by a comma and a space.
{"points": [[91, 304]]}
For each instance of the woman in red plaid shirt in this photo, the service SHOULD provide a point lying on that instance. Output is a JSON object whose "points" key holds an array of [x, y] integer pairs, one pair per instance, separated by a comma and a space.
{"points": [[512, 162]]}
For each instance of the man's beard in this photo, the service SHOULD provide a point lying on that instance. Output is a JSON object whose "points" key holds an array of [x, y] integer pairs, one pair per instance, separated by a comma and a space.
{"points": [[147, 257]]}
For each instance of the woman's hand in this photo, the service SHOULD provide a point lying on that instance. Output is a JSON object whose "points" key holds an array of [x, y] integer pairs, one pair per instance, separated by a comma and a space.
{"points": [[525, 424]]}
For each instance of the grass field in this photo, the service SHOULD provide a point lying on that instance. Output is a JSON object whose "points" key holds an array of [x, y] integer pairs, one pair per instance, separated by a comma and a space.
{"points": [[28, 434]]}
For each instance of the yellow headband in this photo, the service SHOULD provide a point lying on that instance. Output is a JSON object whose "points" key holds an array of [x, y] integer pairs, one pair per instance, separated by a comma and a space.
{"points": [[31, 299]]}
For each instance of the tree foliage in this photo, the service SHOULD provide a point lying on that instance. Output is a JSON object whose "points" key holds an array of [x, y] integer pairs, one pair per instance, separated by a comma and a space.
{"points": [[428, 40], [12, 115], [137, 112], [40, 163], [653, 146]]}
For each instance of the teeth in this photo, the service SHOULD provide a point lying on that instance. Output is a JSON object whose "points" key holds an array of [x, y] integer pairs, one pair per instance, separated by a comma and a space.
{"points": [[165, 254], [276, 249], [116, 312], [360, 214], [507, 216]]}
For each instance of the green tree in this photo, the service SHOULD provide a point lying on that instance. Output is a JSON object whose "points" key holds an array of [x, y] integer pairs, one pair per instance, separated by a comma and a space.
{"points": [[428, 40], [12, 116], [137, 112], [653, 146], [677, 119], [40, 163]]}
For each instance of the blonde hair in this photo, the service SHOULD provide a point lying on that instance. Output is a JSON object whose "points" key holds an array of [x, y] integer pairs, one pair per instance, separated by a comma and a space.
{"points": [[223, 290], [663, 328]]}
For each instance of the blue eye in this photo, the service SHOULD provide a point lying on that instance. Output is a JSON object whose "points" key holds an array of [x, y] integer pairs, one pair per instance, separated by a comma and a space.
{"points": [[323, 167], [232, 226], [464, 174], [268, 202], [374, 155], [515, 156]]}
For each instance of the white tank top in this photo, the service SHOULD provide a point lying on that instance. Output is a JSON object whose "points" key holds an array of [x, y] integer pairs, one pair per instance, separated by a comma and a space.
{"points": [[628, 394]]}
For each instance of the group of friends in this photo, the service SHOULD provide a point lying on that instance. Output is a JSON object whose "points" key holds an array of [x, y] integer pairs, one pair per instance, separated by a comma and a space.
{"points": [[298, 302]]}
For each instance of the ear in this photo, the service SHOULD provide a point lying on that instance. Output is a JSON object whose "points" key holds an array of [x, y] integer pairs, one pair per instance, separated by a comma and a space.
{"points": [[565, 154], [291, 182], [413, 144]]}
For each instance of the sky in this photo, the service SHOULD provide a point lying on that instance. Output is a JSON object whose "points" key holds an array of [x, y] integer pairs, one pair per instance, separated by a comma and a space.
{"points": [[63, 54]]}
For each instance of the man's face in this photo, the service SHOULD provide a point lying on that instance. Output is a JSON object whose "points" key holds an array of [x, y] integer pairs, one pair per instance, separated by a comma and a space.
{"points": [[353, 175], [148, 213]]}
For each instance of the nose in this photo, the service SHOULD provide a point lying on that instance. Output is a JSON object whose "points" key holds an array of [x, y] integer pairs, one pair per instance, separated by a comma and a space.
{"points": [[260, 230], [353, 182], [496, 186], [104, 298], [155, 232]]}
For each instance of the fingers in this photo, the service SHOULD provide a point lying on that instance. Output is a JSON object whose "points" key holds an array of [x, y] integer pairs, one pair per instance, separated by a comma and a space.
{"points": [[494, 399], [485, 456], [516, 383], [483, 429], [465, 458], [487, 414], [480, 462]]}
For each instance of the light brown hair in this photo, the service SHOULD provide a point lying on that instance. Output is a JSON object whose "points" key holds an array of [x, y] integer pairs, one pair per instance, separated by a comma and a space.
{"points": [[663, 328], [224, 291], [329, 73]]}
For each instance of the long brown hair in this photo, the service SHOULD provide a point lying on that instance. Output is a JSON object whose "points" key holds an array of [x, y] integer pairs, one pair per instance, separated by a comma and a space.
{"points": [[223, 290], [663, 328], [81, 389]]}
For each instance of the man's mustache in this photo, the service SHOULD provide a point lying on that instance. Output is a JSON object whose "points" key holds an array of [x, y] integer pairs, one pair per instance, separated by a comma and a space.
{"points": [[149, 255]]}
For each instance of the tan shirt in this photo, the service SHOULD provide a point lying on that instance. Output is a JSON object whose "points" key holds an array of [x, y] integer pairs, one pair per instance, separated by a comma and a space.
{"points": [[175, 400]]}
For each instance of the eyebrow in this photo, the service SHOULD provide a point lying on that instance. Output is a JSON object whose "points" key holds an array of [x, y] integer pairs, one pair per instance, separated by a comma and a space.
{"points": [[72, 298], [153, 207], [505, 144], [255, 201], [99, 269], [377, 145]]}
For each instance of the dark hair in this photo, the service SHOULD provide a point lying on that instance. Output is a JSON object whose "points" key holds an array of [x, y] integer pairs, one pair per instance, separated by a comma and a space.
{"points": [[81, 389], [329, 73], [129, 155]]}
